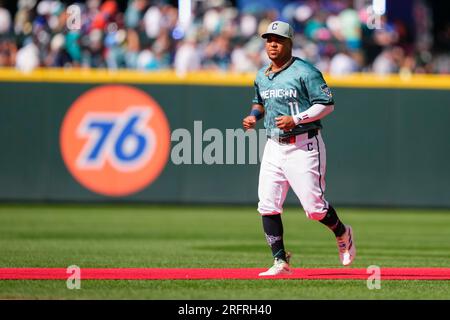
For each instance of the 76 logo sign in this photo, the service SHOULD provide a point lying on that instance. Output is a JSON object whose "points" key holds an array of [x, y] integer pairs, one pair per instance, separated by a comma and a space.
{"points": [[115, 140], [122, 139]]}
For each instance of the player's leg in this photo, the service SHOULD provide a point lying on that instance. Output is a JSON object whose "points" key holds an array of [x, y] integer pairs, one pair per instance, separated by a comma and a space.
{"points": [[332, 221], [272, 190], [305, 171], [273, 231]]}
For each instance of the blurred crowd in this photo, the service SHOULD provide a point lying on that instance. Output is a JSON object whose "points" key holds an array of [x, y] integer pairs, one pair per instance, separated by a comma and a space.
{"points": [[337, 36]]}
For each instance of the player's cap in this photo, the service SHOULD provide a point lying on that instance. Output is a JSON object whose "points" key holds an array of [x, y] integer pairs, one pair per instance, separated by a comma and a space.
{"points": [[280, 28]]}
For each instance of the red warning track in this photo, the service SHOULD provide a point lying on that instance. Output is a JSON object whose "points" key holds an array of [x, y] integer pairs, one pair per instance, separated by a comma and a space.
{"points": [[208, 274]]}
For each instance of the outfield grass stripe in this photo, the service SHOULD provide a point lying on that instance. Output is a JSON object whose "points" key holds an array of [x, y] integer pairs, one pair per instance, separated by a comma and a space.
{"points": [[216, 273]]}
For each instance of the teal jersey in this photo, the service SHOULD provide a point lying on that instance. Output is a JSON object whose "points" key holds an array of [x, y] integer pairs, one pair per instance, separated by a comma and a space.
{"points": [[291, 91]]}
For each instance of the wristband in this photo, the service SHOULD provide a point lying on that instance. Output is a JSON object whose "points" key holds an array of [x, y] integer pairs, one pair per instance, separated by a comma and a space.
{"points": [[300, 116], [258, 114]]}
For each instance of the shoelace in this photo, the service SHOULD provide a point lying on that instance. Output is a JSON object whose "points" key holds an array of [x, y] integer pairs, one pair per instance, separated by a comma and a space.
{"points": [[278, 267], [278, 264], [342, 245]]}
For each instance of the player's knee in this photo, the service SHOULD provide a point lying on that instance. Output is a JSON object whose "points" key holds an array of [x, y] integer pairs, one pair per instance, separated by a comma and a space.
{"points": [[266, 209], [314, 210], [315, 214], [268, 212]]}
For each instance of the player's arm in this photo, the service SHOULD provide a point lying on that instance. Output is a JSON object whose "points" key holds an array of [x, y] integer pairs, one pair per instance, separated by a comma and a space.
{"points": [[256, 113], [320, 99], [314, 113]]}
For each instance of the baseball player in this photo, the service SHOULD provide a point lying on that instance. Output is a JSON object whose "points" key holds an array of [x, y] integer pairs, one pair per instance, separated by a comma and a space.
{"points": [[292, 96]]}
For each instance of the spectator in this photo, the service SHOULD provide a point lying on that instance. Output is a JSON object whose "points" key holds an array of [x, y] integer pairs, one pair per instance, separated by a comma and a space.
{"points": [[28, 57], [187, 57], [8, 51], [217, 54], [146, 35], [385, 62], [342, 63], [5, 21], [350, 28], [58, 55]]}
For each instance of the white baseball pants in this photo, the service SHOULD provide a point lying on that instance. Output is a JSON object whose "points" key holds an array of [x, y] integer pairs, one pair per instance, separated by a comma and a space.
{"points": [[301, 166]]}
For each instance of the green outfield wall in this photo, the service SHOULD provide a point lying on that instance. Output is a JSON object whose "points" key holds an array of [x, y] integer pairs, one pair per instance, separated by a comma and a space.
{"points": [[386, 145]]}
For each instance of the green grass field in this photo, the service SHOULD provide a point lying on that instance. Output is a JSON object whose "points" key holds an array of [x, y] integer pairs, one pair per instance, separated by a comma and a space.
{"points": [[114, 236]]}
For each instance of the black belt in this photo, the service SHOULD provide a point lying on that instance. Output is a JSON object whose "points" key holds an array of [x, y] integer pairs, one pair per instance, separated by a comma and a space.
{"points": [[292, 139]]}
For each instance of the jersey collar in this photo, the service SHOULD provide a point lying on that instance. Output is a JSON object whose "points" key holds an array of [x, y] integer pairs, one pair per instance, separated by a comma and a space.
{"points": [[285, 66]]}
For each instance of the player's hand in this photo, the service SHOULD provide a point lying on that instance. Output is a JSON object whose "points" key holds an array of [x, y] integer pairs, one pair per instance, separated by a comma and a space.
{"points": [[249, 122], [285, 123]]}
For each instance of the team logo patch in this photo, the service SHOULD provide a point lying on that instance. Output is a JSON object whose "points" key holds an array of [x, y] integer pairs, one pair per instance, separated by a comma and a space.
{"points": [[115, 140], [325, 89], [272, 239]]}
